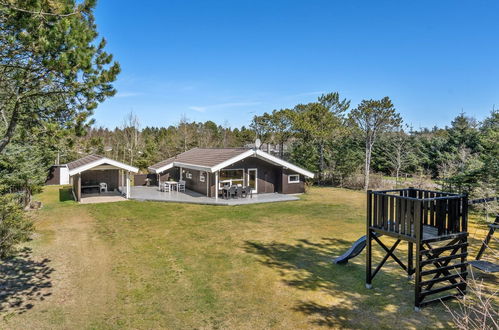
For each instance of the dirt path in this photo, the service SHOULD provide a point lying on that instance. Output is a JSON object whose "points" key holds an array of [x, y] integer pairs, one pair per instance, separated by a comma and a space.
{"points": [[67, 273]]}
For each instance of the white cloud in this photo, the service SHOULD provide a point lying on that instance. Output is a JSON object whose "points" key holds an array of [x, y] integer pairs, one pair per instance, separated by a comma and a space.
{"points": [[222, 105], [198, 109], [128, 94]]}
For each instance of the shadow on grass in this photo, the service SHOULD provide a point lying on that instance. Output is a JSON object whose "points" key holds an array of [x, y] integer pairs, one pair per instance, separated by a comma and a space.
{"points": [[23, 282], [65, 194], [309, 266]]}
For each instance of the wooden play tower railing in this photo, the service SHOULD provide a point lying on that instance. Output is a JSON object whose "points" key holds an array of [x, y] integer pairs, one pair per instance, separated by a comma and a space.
{"points": [[435, 226]]}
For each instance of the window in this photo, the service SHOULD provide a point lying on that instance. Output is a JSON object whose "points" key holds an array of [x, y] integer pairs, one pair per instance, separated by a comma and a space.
{"points": [[231, 177], [202, 177], [294, 178]]}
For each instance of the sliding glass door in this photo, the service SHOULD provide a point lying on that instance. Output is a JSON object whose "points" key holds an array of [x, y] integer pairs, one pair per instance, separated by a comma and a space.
{"points": [[252, 179]]}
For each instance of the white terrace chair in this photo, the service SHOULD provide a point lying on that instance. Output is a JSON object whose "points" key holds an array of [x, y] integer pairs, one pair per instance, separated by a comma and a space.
{"points": [[181, 185], [102, 187], [166, 187]]}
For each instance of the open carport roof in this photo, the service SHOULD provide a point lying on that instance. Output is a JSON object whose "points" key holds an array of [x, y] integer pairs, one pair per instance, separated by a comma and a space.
{"points": [[214, 159], [88, 162]]}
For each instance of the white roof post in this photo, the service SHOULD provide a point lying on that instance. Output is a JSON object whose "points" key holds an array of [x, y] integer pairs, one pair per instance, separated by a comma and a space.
{"points": [[127, 184], [216, 185]]}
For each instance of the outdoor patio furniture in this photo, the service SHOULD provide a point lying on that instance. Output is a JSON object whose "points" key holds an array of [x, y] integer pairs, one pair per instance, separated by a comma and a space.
{"points": [[232, 191], [247, 191], [166, 187], [225, 190], [239, 191], [102, 187], [170, 185], [89, 187], [181, 185]]}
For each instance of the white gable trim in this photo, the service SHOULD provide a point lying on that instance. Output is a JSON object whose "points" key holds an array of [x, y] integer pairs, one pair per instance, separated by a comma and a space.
{"points": [[284, 163], [101, 161], [237, 158], [161, 169]]}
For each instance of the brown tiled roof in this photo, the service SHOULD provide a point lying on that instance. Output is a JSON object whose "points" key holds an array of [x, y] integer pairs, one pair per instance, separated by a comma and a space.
{"points": [[83, 161], [208, 157]]}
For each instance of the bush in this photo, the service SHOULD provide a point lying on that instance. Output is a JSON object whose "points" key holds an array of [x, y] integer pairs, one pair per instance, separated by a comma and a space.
{"points": [[15, 226], [356, 181], [477, 309]]}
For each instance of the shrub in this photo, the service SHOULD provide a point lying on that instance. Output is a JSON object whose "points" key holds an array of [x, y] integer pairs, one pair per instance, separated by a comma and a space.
{"points": [[477, 309], [15, 226], [356, 181]]}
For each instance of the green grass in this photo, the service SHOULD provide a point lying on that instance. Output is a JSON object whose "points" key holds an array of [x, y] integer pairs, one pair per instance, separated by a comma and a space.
{"points": [[161, 265]]}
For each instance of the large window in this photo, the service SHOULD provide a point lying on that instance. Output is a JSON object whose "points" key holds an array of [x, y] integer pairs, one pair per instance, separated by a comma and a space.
{"points": [[231, 177]]}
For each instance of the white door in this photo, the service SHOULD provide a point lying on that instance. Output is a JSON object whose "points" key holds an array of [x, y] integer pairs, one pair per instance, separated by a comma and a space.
{"points": [[63, 175], [253, 179]]}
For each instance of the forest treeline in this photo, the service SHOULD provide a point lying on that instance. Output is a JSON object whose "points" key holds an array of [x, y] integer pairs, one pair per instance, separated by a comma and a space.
{"points": [[326, 137]]}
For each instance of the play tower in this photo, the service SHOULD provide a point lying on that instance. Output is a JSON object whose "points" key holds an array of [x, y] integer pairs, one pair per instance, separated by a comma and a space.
{"points": [[435, 226]]}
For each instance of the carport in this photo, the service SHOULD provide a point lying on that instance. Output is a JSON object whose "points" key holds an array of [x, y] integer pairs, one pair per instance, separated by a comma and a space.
{"points": [[95, 175]]}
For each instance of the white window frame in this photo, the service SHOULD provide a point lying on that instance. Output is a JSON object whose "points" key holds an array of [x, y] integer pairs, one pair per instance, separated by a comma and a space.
{"points": [[202, 176], [293, 181]]}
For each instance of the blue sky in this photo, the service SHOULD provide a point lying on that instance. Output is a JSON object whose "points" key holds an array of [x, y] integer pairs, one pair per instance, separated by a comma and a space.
{"points": [[229, 60]]}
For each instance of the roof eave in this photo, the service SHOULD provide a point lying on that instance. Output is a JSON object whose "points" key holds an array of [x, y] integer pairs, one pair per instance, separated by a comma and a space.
{"points": [[101, 161], [284, 163], [193, 166], [233, 160], [161, 169]]}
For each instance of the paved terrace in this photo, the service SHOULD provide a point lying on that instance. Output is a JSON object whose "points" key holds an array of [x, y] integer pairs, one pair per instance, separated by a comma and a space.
{"points": [[105, 197], [153, 194]]}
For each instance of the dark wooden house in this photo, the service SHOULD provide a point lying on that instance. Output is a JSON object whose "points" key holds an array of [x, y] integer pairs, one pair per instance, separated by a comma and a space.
{"points": [[206, 170]]}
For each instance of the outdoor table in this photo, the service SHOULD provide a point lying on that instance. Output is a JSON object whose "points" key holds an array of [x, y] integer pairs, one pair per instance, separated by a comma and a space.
{"points": [[172, 184]]}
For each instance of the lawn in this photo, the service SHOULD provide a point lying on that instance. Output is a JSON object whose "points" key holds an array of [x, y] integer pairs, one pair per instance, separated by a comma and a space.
{"points": [[160, 265]]}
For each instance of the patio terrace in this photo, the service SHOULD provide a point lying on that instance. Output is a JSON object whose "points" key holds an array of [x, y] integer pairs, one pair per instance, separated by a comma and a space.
{"points": [[104, 197], [192, 197]]}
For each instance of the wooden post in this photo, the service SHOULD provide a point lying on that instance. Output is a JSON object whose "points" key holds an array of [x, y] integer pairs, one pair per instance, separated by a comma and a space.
{"points": [[410, 257], [122, 184], [417, 281], [78, 191], [464, 224], [127, 184], [216, 185], [369, 241], [207, 179]]}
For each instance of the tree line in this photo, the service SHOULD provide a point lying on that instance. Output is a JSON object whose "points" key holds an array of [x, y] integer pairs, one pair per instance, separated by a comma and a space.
{"points": [[327, 137]]}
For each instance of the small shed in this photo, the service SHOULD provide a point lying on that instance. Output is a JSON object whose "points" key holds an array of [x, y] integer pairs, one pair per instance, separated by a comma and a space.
{"points": [[90, 173], [58, 175]]}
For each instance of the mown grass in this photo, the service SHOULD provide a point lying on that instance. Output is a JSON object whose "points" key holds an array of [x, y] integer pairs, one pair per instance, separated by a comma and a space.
{"points": [[201, 266]]}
